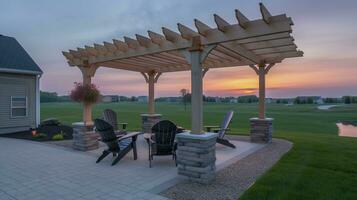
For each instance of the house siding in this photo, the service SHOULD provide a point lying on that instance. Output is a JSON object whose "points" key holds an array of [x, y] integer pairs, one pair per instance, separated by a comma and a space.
{"points": [[17, 85]]}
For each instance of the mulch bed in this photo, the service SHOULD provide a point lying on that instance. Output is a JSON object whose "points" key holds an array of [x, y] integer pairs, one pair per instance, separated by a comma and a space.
{"points": [[49, 130]]}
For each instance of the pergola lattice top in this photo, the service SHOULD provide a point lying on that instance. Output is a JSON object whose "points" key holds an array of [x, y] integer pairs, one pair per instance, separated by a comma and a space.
{"points": [[266, 40]]}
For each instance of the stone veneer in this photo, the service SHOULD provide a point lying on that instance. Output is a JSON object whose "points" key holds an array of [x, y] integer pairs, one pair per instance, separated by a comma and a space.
{"points": [[196, 156], [261, 130], [84, 138], [148, 121]]}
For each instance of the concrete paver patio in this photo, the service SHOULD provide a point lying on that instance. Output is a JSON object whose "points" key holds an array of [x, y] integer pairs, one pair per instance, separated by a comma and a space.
{"points": [[31, 170]]}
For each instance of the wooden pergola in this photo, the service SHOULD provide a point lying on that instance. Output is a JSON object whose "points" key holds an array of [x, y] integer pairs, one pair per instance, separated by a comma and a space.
{"points": [[259, 44]]}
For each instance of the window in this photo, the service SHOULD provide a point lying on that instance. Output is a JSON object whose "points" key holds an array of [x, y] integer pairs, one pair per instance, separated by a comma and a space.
{"points": [[18, 106]]}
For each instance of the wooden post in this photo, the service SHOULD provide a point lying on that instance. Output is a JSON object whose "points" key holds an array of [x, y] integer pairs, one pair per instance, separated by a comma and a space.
{"points": [[261, 91], [87, 73], [87, 108], [151, 98], [196, 89]]}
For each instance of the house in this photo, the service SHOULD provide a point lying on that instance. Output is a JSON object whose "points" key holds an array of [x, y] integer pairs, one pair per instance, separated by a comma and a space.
{"points": [[142, 98], [217, 100], [110, 98], [270, 100], [19, 87], [233, 100]]}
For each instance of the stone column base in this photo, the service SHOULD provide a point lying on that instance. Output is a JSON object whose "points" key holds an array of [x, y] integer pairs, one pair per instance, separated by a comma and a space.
{"points": [[196, 156], [148, 121], [261, 130], [84, 138]]}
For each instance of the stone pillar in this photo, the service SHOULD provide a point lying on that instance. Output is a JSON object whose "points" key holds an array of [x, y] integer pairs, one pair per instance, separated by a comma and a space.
{"points": [[196, 156], [261, 130], [148, 121], [84, 138]]}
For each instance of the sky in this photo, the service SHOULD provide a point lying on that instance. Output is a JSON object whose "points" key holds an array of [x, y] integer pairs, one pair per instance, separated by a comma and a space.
{"points": [[324, 29]]}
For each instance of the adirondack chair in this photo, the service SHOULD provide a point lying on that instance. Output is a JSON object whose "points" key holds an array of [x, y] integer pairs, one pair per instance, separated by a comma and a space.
{"points": [[111, 117], [119, 146], [221, 130], [162, 142]]}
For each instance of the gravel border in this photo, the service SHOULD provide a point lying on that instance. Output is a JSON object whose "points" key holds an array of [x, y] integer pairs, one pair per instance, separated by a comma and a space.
{"points": [[232, 181]]}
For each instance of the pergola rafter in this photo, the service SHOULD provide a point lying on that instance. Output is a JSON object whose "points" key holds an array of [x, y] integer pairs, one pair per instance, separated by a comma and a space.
{"points": [[258, 43]]}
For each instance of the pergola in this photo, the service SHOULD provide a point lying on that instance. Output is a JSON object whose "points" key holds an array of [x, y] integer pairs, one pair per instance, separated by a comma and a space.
{"points": [[259, 44]]}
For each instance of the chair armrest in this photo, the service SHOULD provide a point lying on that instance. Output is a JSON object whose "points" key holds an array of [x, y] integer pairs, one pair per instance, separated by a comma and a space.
{"points": [[129, 135], [123, 124], [208, 128], [220, 129]]}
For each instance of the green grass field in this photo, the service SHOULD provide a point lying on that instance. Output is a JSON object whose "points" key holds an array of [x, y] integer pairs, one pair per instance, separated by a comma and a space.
{"points": [[321, 165]]}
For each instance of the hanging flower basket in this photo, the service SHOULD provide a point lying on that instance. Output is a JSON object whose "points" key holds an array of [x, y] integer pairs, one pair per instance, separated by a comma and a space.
{"points": [[88, 94]]}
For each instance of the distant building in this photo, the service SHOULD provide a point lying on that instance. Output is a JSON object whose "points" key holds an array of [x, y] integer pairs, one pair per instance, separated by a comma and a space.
{"points": [[233, 100], [217, 99], [270, 100], [19, 87], [110, 98], [142, 98]]}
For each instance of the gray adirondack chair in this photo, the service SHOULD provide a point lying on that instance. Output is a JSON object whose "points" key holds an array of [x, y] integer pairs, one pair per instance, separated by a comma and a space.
{"points": [[163, 141], [119, 146], [221, 130], [111, 117]]}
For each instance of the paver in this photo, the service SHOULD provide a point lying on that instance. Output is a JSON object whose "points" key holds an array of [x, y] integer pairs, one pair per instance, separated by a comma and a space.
{"points": [[40, 171]]}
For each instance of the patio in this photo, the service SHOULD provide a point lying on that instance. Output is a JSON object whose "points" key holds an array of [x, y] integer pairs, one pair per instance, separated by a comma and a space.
{"points": [[46, 171]]}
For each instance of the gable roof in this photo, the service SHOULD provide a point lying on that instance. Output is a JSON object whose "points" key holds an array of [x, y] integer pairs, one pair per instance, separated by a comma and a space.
{"points": [[15, 59]]}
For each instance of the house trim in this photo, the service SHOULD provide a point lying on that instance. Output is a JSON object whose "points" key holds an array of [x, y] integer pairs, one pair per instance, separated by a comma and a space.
{"points": [[19, 71]]}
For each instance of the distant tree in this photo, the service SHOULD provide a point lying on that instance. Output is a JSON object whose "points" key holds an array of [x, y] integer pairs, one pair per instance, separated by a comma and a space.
{"points": [[310, 100], [184, 94], [353, 99], [133, 98], [248, 99], [48, 97], [64, 98], [346, 99]]}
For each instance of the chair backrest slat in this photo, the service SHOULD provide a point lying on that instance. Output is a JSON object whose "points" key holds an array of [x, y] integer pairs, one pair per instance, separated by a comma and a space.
{"points": [[225, 123], [165, 132], [111, 117], [107, 134]]}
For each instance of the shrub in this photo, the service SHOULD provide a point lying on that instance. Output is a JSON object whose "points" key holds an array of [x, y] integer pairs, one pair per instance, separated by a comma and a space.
{"points": [[58, 136], [50, 122], [85, 93], [39, 136]]}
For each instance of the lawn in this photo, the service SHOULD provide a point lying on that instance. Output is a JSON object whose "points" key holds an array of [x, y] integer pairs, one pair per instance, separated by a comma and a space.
{"points": [[321, 164]]}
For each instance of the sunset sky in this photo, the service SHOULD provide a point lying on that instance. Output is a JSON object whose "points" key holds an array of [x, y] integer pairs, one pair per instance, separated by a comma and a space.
{"points": [[325, 30]]}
